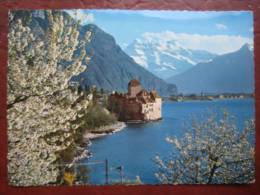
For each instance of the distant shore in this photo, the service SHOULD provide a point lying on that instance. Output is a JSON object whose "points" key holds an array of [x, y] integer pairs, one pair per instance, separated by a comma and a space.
{"points": [[104, 130], [208, 97]]}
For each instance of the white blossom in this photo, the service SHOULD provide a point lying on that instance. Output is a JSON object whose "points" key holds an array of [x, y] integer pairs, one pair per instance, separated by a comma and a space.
{"points": [[39, 100], [210, 152]]}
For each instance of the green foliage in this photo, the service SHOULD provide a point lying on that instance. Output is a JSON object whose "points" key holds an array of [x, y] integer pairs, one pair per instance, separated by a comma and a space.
{"points": [[97, 116], [67, 155], [82, 174]]}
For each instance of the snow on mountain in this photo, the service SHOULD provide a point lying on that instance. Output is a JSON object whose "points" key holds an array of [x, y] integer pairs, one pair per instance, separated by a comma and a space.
{"points": [[110, 68], [164, 56]]}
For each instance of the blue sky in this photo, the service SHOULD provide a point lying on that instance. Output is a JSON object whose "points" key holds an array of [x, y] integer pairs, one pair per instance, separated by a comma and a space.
{"points": [[231, 27]]}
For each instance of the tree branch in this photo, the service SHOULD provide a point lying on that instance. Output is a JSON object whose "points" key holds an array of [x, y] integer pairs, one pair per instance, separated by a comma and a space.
{"points": [[24, 98]]}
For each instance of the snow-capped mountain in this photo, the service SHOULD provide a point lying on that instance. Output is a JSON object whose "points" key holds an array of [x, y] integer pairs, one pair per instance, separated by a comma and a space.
{"points": [[110, 68], [164, 56]]}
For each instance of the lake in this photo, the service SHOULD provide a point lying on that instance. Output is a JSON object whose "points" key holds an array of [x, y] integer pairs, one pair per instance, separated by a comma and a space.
{"points": [[137, 144]]}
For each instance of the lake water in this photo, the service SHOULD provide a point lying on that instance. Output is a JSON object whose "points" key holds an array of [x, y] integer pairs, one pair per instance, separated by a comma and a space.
{"points": [[136, 145]]}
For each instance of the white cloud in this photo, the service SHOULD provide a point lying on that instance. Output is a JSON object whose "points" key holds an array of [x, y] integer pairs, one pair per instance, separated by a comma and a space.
{"points": [[221, 26], [251, 29], [218, 44], [82, 15]]}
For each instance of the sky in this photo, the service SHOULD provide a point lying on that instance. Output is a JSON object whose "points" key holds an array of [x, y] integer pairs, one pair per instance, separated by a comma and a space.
{"points": [[214, 31]]}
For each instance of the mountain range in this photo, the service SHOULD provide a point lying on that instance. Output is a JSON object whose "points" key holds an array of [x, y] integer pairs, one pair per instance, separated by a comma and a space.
{"points": [[192, 71], [164, 56], [231, 73], [110, 68]]}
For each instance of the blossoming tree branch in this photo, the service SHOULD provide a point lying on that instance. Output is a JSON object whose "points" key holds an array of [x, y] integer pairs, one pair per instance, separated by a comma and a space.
{"points": [[41, 107]]}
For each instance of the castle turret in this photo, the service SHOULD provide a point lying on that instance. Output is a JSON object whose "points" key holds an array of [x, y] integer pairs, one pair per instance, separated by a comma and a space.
{"points": [[134, 87], [137, 105]]}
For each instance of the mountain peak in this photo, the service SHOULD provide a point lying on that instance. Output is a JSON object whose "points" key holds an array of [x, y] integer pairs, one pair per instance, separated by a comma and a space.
{"points": [[165, 56], [92, 27], [110, 68], [247, 47], [221, 75]]}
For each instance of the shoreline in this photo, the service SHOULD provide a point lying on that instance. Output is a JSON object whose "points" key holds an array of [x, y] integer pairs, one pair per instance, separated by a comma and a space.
{"points": [[143, 121], [93, 134], [104, 130], [207, 99]]}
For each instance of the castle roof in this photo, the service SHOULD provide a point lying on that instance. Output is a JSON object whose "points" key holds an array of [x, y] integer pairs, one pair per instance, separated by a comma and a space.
{"points": [[143, 92], [154, 94], [134, 83]]}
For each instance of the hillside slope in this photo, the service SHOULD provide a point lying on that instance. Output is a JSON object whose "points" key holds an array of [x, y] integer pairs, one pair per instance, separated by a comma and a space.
{"points": [[233, 72]]}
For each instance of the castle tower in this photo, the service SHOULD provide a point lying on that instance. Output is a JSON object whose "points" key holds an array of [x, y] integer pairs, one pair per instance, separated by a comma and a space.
{"points": [[134, 87]]}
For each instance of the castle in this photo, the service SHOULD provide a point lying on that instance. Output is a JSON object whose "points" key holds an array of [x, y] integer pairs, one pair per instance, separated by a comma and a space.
{"points": [[137, 105]]}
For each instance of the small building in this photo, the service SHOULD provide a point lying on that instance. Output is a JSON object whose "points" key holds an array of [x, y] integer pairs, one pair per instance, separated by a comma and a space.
{"points": [[137, 104]]}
